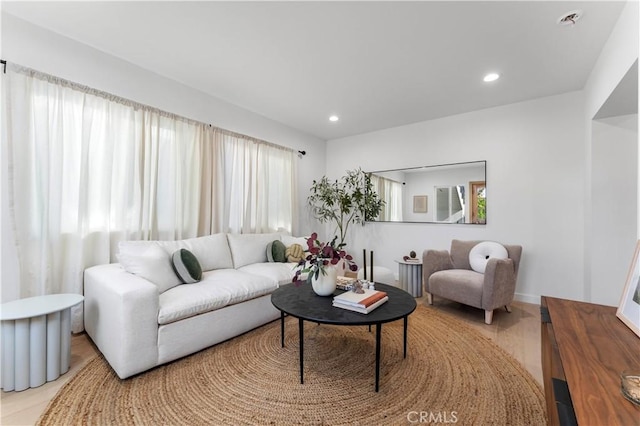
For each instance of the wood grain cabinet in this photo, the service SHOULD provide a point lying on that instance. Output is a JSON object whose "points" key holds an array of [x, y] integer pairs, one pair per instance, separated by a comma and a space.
{"points": [[585, 347]]}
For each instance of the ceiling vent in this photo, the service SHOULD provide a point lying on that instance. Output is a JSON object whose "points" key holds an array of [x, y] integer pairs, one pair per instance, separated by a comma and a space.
{"points": [[570, 18]]}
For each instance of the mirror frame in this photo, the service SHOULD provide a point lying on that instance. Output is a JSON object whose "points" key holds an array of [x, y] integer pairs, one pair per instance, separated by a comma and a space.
{"points": [[424, 201]]}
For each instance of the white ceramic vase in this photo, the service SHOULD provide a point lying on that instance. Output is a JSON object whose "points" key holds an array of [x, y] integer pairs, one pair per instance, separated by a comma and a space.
{"points": [[325, 284], [341, 267]]}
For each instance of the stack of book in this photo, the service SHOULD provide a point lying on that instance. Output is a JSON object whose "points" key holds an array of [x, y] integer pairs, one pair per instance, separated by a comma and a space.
{"points": [[363, 303]]}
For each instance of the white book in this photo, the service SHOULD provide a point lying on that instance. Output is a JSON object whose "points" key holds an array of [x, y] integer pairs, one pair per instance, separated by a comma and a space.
{"points": [[361, 310], [361, 300]]}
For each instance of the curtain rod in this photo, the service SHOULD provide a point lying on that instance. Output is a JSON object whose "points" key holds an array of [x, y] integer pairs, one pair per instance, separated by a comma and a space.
{"points": [[134, 104]]}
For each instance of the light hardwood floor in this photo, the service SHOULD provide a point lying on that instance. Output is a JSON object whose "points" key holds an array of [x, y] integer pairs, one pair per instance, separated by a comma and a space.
{"points": [[518, 333]]}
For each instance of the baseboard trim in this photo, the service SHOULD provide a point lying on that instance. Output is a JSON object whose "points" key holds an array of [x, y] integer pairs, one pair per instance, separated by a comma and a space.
{"points": [[527, 298]]}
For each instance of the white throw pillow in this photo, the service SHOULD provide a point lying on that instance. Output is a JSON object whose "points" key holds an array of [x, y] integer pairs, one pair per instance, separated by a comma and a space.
{"points": [[482, 252], [149, 261]]}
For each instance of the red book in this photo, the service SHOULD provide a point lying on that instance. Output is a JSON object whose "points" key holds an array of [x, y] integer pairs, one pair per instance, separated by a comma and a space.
{"points": [[373, 298]]}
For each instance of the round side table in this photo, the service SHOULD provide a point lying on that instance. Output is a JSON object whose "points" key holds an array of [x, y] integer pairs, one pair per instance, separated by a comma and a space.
{"points": [[410, 277], [36, 339]]}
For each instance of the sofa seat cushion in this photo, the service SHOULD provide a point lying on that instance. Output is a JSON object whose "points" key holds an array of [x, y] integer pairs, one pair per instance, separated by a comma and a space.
{"points": [[279, 273], [216, 290], [461, 285]]}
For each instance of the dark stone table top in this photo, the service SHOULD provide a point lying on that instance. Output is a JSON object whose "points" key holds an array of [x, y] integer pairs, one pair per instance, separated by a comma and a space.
{"points": [[301, 302]]}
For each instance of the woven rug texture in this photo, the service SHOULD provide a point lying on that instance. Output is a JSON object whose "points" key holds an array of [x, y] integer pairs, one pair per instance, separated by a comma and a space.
{"points": [[452, 375]]}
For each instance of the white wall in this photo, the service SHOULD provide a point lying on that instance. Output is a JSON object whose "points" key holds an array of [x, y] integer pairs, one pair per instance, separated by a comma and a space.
{"points": [[535, 178], [614, 197], [35, 47], [617, 56]]}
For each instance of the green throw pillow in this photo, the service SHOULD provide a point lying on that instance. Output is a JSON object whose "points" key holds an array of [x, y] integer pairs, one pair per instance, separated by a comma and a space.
{"points": [[278, 250], [186, 266]]}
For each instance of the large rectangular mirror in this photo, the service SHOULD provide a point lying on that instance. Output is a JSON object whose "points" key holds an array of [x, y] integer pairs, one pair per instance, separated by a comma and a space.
{"points": [[447, 193]]}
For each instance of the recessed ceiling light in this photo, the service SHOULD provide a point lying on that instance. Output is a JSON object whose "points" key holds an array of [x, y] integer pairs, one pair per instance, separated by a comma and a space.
{"points": [[570, 18], [491, 77], [334, 118]]}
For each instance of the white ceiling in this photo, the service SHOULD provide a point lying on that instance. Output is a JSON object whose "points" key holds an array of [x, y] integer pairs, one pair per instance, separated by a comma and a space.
{"points": [[375, 64]]}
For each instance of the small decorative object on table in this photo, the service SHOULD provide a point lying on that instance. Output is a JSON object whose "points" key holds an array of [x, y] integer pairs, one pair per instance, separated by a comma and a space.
{"points": [[364, 256], [357, 287], [345, 283], [630, 385], [411, 258]]}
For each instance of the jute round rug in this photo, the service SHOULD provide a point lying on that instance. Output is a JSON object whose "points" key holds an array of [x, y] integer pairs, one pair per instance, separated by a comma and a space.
{"points": [[451, 375]]}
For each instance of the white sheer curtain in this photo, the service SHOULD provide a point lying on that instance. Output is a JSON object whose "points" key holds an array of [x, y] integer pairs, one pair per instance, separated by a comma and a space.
{"points": [[87, 170], [256, 197], [390, 192]]}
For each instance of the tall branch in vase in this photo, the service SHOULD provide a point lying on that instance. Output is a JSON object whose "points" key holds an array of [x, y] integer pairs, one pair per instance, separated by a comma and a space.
{"points": [[350, 199]]}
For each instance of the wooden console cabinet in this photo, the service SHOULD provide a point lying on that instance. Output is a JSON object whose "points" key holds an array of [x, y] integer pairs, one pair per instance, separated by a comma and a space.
{"points": [[585, 347]]}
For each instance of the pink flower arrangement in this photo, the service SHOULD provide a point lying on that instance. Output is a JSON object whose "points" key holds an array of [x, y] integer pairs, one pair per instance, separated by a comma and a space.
{"points": [[321, 255]]}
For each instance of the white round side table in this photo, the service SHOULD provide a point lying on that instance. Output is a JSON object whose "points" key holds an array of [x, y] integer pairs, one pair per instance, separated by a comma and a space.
{"points": [[36, 339], [410, 276]]}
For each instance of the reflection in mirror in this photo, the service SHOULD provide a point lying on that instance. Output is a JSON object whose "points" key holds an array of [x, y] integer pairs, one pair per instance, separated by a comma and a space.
{"points": [[448, 193], [450, 204]]}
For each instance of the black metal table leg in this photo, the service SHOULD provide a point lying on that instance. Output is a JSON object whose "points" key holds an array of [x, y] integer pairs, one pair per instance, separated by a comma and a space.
{"points": [[282, 329], [405, 336], [378, 334], [301, 337]]}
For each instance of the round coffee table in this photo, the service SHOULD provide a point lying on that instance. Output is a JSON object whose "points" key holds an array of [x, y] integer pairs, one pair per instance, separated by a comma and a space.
{"points": [[301, 302]]}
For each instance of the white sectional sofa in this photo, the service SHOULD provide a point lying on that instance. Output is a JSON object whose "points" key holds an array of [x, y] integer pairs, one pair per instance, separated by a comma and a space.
{"points": [[137, 323]]}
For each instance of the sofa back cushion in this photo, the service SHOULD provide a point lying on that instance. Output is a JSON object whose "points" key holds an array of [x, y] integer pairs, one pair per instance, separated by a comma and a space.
{"points": [[289, 240], [150, 261], [250, 248], [212, 251], [460, 253]]}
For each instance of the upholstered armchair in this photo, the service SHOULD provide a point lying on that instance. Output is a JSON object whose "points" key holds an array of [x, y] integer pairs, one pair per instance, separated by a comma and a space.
{"points": [[491, 285]]}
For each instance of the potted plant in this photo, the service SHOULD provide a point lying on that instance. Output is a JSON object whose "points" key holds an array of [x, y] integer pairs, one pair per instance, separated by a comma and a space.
{"points": [[320, 264], [350, 199]]}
